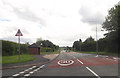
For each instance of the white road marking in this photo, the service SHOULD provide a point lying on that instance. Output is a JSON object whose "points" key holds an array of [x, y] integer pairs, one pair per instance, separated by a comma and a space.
{"points": [[93, 72], [96, 56], [79, 61], [28, 70], [34, 66], [16, 74], [65, 62], [34, 70], [42, 66], [22, 72], [27, 75], [114, 58]]}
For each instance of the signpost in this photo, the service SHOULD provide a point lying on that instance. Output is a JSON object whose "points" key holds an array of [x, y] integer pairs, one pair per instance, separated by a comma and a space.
{"points": [[19, 34]]}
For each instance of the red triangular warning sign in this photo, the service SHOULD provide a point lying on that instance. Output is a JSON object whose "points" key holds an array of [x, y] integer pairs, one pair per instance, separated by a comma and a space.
{"points": [[19, 33]]}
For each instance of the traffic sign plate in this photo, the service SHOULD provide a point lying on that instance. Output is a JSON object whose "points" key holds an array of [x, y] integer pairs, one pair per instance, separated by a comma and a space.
{"points": [[19, 33]]}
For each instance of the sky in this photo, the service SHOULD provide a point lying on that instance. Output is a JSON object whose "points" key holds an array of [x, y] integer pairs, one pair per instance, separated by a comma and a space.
{"points": [[60, 21]]}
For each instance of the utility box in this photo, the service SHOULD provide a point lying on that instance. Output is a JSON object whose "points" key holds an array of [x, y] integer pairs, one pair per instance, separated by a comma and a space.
{"points": [[34, 49]]}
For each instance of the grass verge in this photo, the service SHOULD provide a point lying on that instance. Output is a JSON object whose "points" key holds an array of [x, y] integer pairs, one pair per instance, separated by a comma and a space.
{"points": [[102, 53], [50, 52], [14, 59]]}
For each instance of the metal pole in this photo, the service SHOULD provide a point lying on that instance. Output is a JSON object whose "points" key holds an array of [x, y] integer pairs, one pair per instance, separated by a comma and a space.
{"points": [[96, 40], [80, 46], [19, 48]]}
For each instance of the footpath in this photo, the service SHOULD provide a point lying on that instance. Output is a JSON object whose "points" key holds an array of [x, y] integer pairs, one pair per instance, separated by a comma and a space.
{"points": [[39, 59]]}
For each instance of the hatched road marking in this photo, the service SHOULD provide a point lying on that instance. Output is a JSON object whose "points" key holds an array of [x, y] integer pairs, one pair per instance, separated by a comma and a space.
{"points": [[34, 70], [31, 72]]}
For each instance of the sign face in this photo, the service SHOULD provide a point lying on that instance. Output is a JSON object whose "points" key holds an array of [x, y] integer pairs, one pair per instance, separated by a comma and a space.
{"points": [[19, 33], [65, 62]]}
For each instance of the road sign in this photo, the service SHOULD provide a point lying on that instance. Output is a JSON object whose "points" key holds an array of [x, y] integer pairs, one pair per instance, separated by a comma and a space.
{"points": [[19, 34], [65, 62]]}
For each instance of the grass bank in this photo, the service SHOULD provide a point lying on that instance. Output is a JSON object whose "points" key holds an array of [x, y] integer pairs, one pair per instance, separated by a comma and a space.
{"points": [[101, 53], [14, 59]]}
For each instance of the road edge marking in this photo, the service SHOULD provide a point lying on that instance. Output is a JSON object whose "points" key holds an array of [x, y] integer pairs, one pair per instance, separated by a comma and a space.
{"points": [[93, 72]]}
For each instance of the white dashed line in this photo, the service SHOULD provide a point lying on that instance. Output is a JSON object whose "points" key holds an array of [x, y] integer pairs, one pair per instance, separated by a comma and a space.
{"points": [[86, 67], [93, 72], [79, 61]]}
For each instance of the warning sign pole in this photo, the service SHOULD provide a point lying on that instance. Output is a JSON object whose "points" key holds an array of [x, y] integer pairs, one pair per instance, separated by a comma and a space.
{"points": [[19, 34], [19, 47]]}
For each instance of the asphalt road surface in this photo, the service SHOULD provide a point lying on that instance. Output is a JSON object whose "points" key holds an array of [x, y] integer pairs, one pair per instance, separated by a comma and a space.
{"points": [[71, 64]]}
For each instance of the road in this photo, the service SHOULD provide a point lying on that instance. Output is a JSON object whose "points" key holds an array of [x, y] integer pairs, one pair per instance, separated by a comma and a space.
{"points": [[72, 64]]}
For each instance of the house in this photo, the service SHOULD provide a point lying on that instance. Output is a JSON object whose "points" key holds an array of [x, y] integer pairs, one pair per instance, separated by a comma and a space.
{"points": [[34, 49]]}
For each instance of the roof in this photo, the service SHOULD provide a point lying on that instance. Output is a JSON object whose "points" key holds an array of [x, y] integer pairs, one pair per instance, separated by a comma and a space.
{"points": [[33, 46]]}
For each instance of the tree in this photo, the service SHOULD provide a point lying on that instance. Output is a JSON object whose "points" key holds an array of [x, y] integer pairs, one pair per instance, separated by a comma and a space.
{"points": [[46, 45], [112, 24], [89, 44]]}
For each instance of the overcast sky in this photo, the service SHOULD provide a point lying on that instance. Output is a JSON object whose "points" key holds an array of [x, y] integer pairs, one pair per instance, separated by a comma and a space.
{"points": [[60, 21]]}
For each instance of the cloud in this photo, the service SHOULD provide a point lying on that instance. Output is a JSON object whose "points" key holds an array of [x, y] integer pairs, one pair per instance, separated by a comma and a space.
{"points": [[91, 16], [119, 3], [26, 14], [15, 39]]}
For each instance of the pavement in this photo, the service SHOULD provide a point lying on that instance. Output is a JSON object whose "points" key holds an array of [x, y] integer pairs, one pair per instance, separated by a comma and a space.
{"points": [[71, 64]]}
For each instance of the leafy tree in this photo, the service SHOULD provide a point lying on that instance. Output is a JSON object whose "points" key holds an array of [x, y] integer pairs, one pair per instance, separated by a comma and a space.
{"points": [[48, 45], [112, 24]]}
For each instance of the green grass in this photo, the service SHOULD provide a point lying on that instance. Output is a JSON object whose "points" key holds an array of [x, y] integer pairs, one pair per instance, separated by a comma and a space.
{"points": [[102, 53], [14, 59], [0, 60], [50, 52]]}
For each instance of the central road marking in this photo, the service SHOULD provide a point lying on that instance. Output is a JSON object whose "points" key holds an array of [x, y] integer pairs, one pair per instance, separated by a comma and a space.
{"points": [[86, 67], [79, 61], [93, 72]]}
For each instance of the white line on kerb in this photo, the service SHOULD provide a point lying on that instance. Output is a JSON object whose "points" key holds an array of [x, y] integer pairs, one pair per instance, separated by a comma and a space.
{"points": [[93, 72]]}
